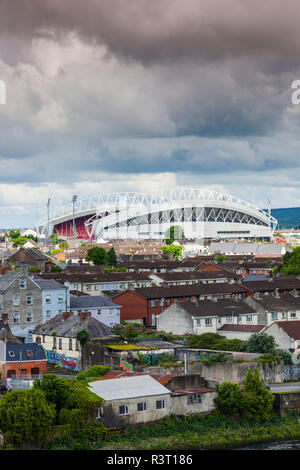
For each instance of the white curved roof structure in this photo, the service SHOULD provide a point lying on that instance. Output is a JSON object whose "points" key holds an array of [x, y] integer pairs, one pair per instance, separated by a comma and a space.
{"points": [[201, 213]]}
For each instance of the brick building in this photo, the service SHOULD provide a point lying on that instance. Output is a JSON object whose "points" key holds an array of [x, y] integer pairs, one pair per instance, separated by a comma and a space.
{"points": [[145, 303]]}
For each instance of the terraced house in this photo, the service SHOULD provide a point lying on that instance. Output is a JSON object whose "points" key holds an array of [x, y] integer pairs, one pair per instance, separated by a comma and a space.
{"points": [[30, 301]]}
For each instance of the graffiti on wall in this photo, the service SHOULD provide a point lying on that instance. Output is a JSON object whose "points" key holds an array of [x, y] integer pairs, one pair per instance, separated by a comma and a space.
{"points": [[66, 362], [69, 362]]}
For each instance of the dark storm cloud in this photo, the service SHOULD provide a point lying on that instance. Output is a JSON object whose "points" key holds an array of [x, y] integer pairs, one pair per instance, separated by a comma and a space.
{"points": [[159, 30]]}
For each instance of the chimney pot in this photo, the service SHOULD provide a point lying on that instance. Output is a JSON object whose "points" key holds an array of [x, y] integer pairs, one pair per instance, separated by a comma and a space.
{"points": [[65, 315]]}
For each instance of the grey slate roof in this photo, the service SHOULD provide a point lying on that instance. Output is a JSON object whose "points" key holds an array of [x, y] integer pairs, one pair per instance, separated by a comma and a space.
{"points": [[221, 308], [48, 283], [282, 303], [71, 325], [90, 301], [187, 290], [14, 350]]}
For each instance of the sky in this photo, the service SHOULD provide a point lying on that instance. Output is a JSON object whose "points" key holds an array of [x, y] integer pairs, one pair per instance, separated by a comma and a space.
{"points": [[131, 95]]}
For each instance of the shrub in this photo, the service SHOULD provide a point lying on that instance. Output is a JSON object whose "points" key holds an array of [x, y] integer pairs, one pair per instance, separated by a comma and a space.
{"points": [[204, 341], [253, 399], [93, 372], [229, 398], [26, 415], [213, 358]]}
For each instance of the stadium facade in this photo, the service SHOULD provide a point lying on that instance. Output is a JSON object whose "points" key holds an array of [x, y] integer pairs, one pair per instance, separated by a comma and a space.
{"points": [[202, 214]]}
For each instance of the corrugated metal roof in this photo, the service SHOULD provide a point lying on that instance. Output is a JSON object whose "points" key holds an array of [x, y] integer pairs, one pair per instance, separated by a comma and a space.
{"points": [[128, 387]]}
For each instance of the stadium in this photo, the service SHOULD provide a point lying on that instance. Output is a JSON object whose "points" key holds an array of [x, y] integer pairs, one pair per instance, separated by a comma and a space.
{"points": [[202, 214]]}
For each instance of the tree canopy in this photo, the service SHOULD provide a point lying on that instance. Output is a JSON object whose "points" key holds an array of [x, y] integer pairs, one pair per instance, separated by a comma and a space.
{"points": [[175, 232], [26, 415]]}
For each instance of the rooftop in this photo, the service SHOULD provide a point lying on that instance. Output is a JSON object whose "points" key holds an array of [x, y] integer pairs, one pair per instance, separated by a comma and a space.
{"points": [[128, 387]]}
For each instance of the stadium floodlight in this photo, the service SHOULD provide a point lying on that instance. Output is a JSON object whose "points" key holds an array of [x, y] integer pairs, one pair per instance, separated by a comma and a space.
{"points": [[48, 218], [74, 199]]}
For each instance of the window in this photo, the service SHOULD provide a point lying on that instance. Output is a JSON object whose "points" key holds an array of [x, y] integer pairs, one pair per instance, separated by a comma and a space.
{"points": [[70, 344], [240, 318], [229, 319], [59, 343], [274, 315], [99, 311], [293, 314], [38, 340], [54, 342], [161, 302], [123, 410], [160, 404], [29, 300], [95, 286], [48, 299], [29, 316], [60, 299], [194, 398], [77, 345], [111, 312], [198, 321], [249, 318], [282, 314], [208, 321], [16, 301], [22, 284], [48, 314], [16, 317], [142, 406], [153, 303], [11, 354]]}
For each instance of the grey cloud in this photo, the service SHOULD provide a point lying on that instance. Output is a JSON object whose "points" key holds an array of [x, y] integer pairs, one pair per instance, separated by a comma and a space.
{"points": [[162, 30]]}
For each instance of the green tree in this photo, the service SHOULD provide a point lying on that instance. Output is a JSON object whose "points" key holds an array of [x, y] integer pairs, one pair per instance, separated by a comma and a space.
{"points": [[257, 400], [252, 399], [111, 257], [56, 269], [203, 341], [14, 234], [291, 263], [175, 232], [229, 398], [260, 343], [26, 415], [83, 337], [172, 250], [97, 255], [53, 238], [63, 245], [19, 241], [71, 395]]}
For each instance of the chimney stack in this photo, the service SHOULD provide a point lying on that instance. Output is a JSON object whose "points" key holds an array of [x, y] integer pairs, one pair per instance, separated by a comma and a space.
{"points": [[5, 317], [65, 315], [84, 315]]}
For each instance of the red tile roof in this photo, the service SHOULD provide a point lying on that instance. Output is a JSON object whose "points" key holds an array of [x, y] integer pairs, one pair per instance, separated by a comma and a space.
{"points": [[292, 327], [246, 328]]}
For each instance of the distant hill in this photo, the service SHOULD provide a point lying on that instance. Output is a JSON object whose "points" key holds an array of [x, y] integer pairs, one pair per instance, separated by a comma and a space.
{"points": [[287, 218]]}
